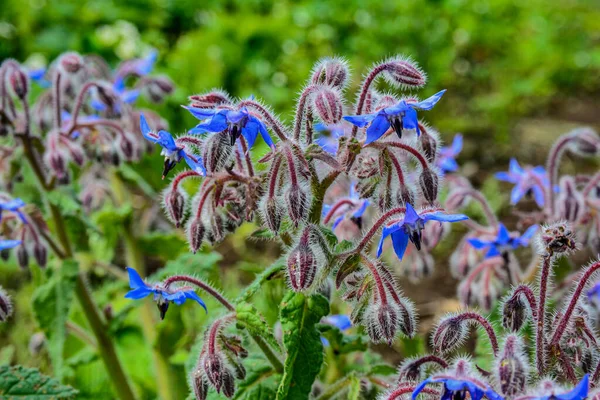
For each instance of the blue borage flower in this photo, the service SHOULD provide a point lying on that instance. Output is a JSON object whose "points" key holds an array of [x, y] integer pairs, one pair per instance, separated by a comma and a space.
{"points": [[329, 137], [37, 75], [143, 66], [401, 116], [126, 96], [357, 208], [13, 206], [8, 244], [526, 180], [459, 387], [173, 153], [446, 160], [579, 392], [234, 122], [410, 228], [340, 321], [162, 295], [503, 241]]}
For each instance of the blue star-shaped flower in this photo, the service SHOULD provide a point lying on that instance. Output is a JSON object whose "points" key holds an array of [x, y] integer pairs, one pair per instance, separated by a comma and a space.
{"points": [[125, 95], [410, 229], [172, 152], [234, 122], [446, 159], [357, 208], [143, 66], [8, 244], [401, 116], [503, 241], [162, 296], [460, 385], [37, 75], [530, 179], [13, 206], [329, 137], [579, 392]]}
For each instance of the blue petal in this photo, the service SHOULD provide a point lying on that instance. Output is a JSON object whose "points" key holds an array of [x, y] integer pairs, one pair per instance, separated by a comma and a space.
{"points": [[119, 85], [325, 209], [165, 140], [129, 96], [359, 213], [378, 127], [176, 297], [410, 215], [478, 243], [12, 205], [328, 144], [579, 392], [250, 132], [517, 194], [146, 131], [492, 395], [192, 295], [360, 120], [442, 217], [525, 237], [399, 241], [145, 65], [428, 103], [457, 144], [492, 252], [9, 244], [514, 167], [320, 127], [264, 133], [337, 221], [201, 113], [97, 105], [505, 176], [388, 230], [419, 388], [448, 164], [410, 121], [138, 293], [340, 321], [37, 74], [197, 166], [538, 195], [135, 280], [236, 116], [218, 123], [456, 385], [503, 235]]}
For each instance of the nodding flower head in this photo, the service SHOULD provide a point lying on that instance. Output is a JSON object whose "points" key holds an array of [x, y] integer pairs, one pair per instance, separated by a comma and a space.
{"points": [[503, 243], [410, 228], [351, 207], [527, 180], [579, 392], [162, 295], [172, 152], [446, 160], [235, 123], [399, 117], [329, 136]]}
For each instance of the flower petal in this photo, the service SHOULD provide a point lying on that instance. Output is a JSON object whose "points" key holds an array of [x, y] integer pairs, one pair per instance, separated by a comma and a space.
{"points": [[443, 217], [378, 127], [250, 132], [218, 123], [129, 96], [135, 280], [192, 295], [201, 113], [428, 103], [410, 215], [388, 230], [399, 241], [359, 213], [503, 235], [517, 194], [478, 243], [138, 293], [166, 141], [457, 144], [196, 165], [360, 120], [146, 131], [9, 244], [410, 120]]}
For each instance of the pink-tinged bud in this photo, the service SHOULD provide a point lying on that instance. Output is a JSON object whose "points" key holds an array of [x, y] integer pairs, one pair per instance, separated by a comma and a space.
{"points": [[272, 213], [6, 308], [514, 313], [195, 234], [70, 62], [22, 256], [586, 142], [40, 253], [557, 239], [408, 318], [57, 162], [127, 147], [382, 322], [449, 334], [211, 99], [302, 264], [512, 368], [297, 204], [328, 103], [19, 82], [174, 202], [216, 152], [77, 154], [219, 374], [157, 88], [216, 232], [199, 385], [331, 71], [428, 140], [570, 202], [404, 72], [366, 188], [105, 94], [429, 182], [405, 195]]}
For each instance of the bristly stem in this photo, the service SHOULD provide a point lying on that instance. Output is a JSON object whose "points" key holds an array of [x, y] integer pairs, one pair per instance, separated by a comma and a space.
{"points": [[56, 100], [402, 390], [202, 285], [378, 281], [270, 119], [540, 340], [552, 165], [470, 315], [300, 108], [420, 157], [364, 90], [530, 296]]}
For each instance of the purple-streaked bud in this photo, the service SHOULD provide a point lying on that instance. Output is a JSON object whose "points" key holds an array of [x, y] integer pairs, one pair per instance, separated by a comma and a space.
{"points": [[405, 195], [105, 94], [557, 239], [195, 234], [40, 253], [214, 368], [57, 162], [332, 72], [216, 152], [6, 308], [174, 202], [70, 62], [297, 202], [449, 334], [216, 230], [586, 142], [382, 322], [19, 82], [228, 384], [212, 99], [127, 147], [514, 313], [157, 88], [428, 140], [404, 72], [272, 214], [22, 256], [302, 264], [429, 182], [511, 368], [77, 154], [570, 202], [199, 385], [328, 104]]}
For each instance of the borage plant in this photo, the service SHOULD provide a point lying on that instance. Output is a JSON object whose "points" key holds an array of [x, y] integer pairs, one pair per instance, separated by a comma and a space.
{"points": [[327, 188]]}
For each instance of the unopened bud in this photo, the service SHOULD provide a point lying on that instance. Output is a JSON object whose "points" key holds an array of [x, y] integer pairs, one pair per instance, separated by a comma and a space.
{"points": [[429, 143], [199, 385], [512, 368], [175, 201], [382, 322], [514, 313], [158, 88], [297, 203], [40, 253], [586, 142], [216, 152], [77, 155], [57, 162], [405, 196], [429, 182], [195, 233], [272, 214], [22, 256], [211, 99], [449, 334], [127, 147], [331, 71], [570, 201], [404, 72], [71, 62], [105, 95], [19, 82], [6, 308], [302, 264], [328, 103]]}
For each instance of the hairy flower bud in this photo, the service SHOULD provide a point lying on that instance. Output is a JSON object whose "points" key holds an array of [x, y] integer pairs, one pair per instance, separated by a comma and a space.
{"points": [[511, 368], [22, 256], [157, 88], [429, 143], [586, 142], [557, 239], [40, 253], [199, 385], [331, 71], [57, 162], [19, 82], [272, 213], [297, 202], [195, 234], [6, 308], [302, 264], [328, 103], [429, 182], [70, 62], [219, 374], [174, 202], [570, 202], [212, 99], [449, 334], [127, 147], [382, 322], [404, 72], [514, 313], [216, 152]]}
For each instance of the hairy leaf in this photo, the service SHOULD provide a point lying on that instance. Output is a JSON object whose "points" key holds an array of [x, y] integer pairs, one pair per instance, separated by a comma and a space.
{"points": [[250, 318], [261, 380], [299, 316], [264, 276], [28, 383]]}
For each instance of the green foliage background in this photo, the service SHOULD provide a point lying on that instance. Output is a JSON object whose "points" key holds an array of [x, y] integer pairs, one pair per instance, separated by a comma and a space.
{"points": [[502, 61]]}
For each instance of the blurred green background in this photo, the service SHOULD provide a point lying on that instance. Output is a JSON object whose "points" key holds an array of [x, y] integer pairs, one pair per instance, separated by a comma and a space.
{"points": [[518, 74]]}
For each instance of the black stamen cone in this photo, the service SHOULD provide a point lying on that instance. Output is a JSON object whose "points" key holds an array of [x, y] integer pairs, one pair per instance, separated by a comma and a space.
{"points": [[357, 221], [234, 133], [415, 237], [169, 165], [397, 124], [163, 307]]}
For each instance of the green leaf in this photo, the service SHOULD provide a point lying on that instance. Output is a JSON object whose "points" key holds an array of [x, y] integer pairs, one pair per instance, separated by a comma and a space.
{"points": [[299, 316], [51, 305], [341, 343], [168, 246], [354, 392], [202, 264], [28, 383], [250, 318], [264, 276], [261, 380]]}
